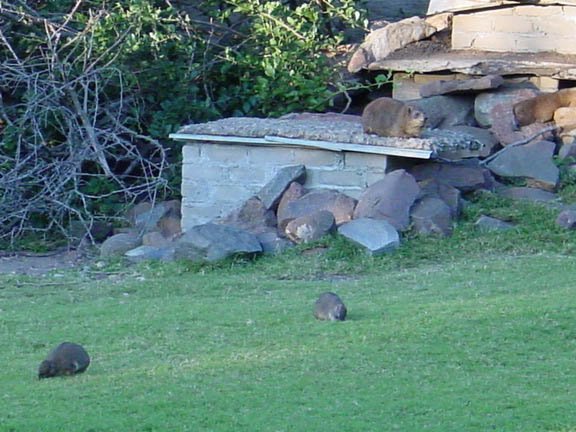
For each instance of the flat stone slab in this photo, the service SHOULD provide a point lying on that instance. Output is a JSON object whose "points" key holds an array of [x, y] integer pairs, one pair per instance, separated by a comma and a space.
{"points": [[376, 236]]}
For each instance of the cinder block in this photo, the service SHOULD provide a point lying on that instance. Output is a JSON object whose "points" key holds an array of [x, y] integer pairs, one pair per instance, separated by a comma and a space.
{"points": [[205, 171], [315, 158], [563, 26], [365, 161], [463, 40], [197, 191], [228, 154], [536, 44], [473, 23], [261, 155], [514, 24], [338, 179], [193, 214], [191, 152], [250, 175]]}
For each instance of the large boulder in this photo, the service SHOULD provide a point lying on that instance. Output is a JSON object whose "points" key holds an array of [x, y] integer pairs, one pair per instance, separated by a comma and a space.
{"points": [[213, 242], [432, 216], [466, 175], [340, 205], [119, 244], [376, 236], [533, 161], [310, 227], [389, 199], [252, 216], [445, 111]]}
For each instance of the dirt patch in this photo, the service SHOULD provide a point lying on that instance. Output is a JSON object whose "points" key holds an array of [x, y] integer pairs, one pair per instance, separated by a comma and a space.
{"points": [[38, 264]]}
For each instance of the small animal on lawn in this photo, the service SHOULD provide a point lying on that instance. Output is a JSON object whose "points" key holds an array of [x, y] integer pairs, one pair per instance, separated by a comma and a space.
{"points": [[541, 108], [329, 307], [66, 359], [390, 117]]}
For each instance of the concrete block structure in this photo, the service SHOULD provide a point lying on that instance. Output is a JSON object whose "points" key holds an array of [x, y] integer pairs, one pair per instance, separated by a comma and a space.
{"points": [[218, 177]]}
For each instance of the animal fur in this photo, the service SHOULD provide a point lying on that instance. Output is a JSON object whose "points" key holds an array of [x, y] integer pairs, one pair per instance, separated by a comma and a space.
{"points": [[66, 359], [329, 307], [541, 108], [390, 117]]}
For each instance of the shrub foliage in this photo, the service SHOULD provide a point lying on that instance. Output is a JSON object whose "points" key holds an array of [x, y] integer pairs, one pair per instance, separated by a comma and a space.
{"points": [[91, 89]]}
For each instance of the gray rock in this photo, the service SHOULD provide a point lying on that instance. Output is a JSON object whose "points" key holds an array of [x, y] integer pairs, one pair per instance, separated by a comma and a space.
{"points": [[118, 244], [446, 111], [340, 205], [486, 101], [465, 175], [329, 307], [441, 87], [272, 243], [155, 239], [567, 219], [96, 230], [146, 217], [389, 199], [449, 194], [567, 151], [483, 136], [488, 223], [533, 161], [376, 236], [150, 253], [432, 216], [213, 242], [271, 193], [310, 227], [528, 194], [252, 216]]}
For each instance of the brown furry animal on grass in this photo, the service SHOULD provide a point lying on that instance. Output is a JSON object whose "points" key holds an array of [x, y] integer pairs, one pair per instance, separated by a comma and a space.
{"points": [[66, 359], [329, 307], [541, 108], [390, 117]]}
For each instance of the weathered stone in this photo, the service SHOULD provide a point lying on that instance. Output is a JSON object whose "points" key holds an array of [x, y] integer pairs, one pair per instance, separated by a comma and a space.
{"points": [[383, 41], [567, 219], [534, 161], [487, 223], [271, 193], [449, 194], [150, 253], [432, 216], [272, 243], [98, 231], [483, 136], [213, 242], [441, 87], [118, 244], [445, 111], [146, 217], [376, 236], [389, 199], [486, 101], [340, 205], [567, 151], [528, 194], [155, 239], [294, 192], [465, 175], [310, 227], [505, 130], [252, 216]]}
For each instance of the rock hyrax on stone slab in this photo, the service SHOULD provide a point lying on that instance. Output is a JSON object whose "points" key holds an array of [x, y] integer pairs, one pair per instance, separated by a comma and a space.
{"points": [[66, 359], [541, 108], [390, 117], [329, 307]]}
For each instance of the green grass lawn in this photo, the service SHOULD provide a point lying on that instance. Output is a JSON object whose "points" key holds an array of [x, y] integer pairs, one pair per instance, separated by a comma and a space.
{"points": [[468, 338]]}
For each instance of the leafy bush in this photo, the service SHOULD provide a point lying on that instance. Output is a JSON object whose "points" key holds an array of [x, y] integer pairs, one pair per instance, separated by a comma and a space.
{"points": [[90, 90]]}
